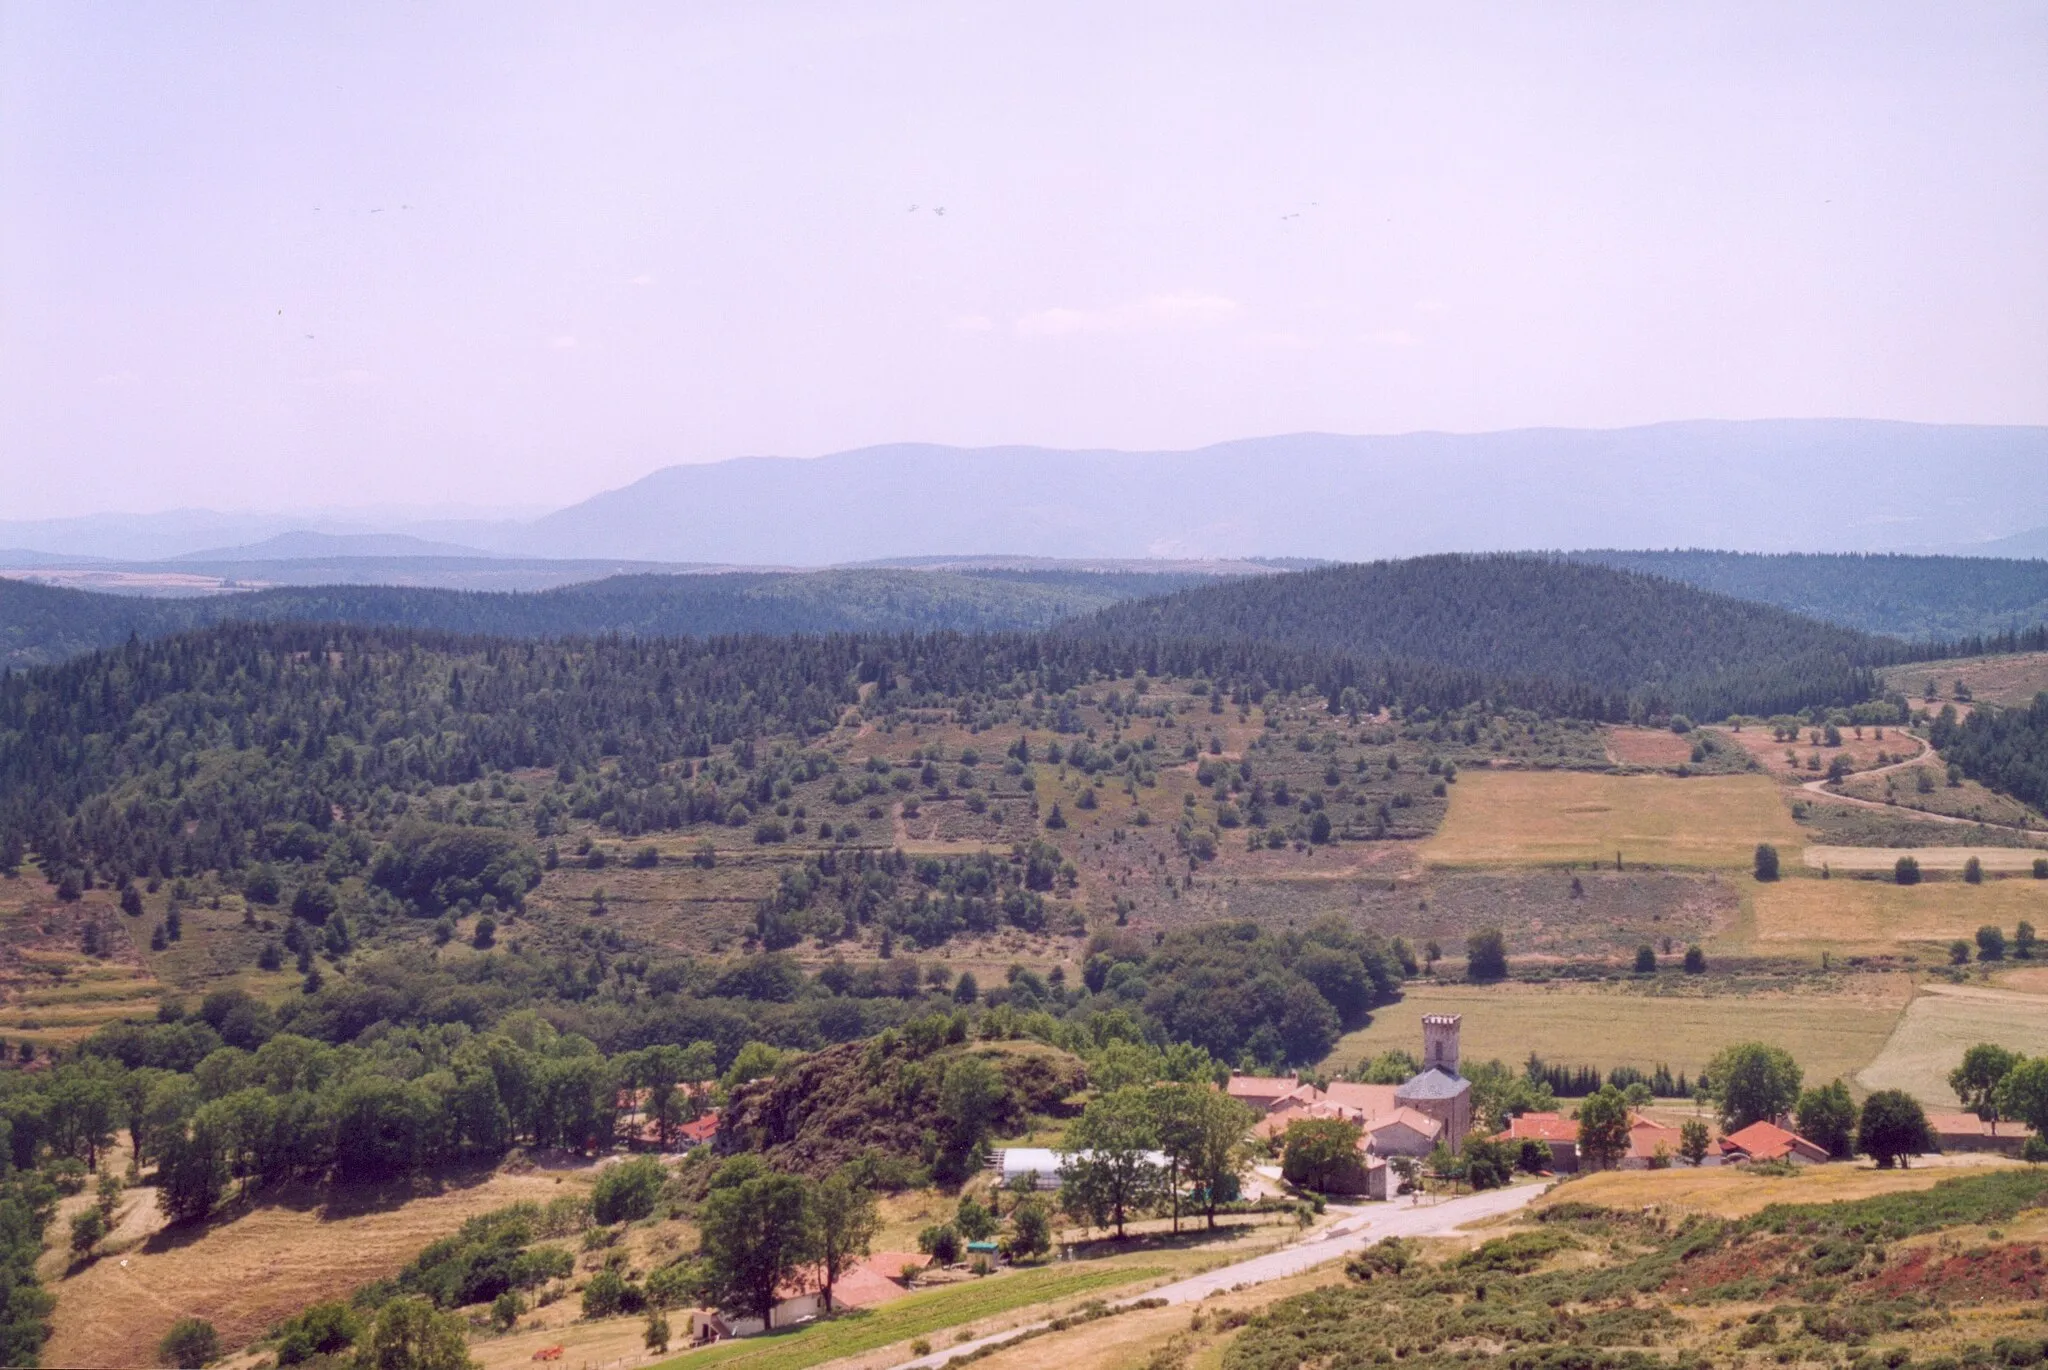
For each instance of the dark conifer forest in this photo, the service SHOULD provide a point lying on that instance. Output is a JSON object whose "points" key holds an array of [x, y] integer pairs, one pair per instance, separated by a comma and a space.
{"points": [[2006, 749], [40, 624], [1903, 596], [1577, 638]]}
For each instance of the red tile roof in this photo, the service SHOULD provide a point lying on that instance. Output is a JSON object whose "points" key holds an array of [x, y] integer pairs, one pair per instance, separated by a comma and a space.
{"points": [[1408, 1118], [1970, 1125], [1260, 1088], [1762, 1141], [1371, 1100], [1541, 1127]]}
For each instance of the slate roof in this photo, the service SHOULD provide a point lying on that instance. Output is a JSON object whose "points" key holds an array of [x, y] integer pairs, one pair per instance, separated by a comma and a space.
{"points": [[1434, 1083]]}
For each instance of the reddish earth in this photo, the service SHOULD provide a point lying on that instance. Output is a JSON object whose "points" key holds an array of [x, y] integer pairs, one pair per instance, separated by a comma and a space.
{"points": [[1648, 746], [1862, 751], [1743, 1260], [1996, 1274]]}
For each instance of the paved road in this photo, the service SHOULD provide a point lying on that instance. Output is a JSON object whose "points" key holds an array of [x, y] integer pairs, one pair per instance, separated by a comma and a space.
{"points": [[1358, 1229]]}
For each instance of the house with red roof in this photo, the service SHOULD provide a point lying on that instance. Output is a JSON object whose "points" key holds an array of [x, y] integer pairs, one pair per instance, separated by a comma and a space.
{"points": [[1263, 1092], [1766, 1141], [1968, 1132], [1555, 1131], [1404, 1132]]}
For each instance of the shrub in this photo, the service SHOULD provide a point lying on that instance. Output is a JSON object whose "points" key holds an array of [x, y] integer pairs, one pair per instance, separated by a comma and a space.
{"points": [[1646, 960], [1766, 861], [941, 1243], [321, 1330], [646, 858], [190, 1342], [1906, 871], [1695, 960], [1990, 943], [1486, 955], [626, 1192], [608, 1293], [1973, 871], [1388, 1257], [87, 1228]]}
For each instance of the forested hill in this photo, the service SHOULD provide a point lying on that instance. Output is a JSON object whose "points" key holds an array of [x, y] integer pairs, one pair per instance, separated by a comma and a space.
{"points": [[1905, 596], [41, 624], [1531, 619]]}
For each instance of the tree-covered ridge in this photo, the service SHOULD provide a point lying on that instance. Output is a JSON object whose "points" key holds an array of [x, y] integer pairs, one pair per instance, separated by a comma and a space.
{"points": [[2006, 749], [40, 624], [1604, 640], [1921, 598]]}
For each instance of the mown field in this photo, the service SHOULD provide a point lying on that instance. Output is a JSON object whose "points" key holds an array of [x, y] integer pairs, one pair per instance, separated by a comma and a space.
{"points": [[1552, 818], [1994, 860], [1831, 1032], [1942, 1023], [1876, 915]]}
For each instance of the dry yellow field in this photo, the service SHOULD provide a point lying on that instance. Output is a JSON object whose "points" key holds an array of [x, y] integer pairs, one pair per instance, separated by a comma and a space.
{"points": [[1942, 1023], [1734, 1191], [2011, 679], [1830, 1034], [1995, 860], [1501, 818], [1878, 915], [247, 1274]]}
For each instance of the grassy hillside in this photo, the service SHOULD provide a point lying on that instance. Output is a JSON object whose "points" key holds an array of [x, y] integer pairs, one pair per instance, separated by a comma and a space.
{"points": [[1905, 596], [1592, 632], [41, 624]]}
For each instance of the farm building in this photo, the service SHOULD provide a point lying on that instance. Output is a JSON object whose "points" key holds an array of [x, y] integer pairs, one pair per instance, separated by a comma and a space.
{"points": [[1554, 1130], [1403, 1132], [883, 1276], [1968, 1132], [1768, 1142], [1043, 1163]]}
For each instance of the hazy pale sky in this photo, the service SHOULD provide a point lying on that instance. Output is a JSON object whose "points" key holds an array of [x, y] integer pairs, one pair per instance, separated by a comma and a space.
{"points": [[265, 255]]}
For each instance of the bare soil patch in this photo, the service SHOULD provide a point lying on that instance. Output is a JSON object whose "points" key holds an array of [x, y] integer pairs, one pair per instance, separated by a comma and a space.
{"points": [[1648, 747], [1804, 760]]}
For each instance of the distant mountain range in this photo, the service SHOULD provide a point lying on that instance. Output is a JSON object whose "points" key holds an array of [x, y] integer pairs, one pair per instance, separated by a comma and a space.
{"points": [[1765, 486], [303, 545]]}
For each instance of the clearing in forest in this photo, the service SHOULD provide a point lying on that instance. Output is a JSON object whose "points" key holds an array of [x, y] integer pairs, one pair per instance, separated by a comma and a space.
{"points": [[1829, 1034], [1500, 818], [2010, 680], [1944, 1022]]}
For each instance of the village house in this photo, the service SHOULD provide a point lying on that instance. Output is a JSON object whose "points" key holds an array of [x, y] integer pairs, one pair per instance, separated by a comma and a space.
{"points": [[1763, 1141], [879, 1278], [1968, 1132], [1555, 1131], [1433, 1107]]}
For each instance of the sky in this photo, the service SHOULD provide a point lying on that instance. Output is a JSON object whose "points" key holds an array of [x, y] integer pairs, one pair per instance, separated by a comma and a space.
{"points": [[504, 255]]}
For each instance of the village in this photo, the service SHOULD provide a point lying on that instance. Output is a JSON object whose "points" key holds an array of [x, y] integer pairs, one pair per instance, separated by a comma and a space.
{"points": [[1419, 1140]]}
